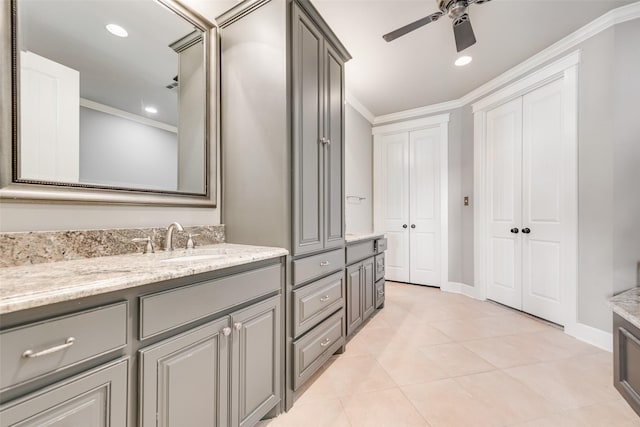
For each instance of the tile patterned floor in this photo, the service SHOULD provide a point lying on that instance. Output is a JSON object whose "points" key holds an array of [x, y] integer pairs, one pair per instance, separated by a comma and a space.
{"points": [[435, 359]]}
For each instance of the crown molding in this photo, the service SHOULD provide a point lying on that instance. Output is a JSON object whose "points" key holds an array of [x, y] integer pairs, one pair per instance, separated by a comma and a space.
{"points": [[359, 107], [424, 122], [604, 22]]}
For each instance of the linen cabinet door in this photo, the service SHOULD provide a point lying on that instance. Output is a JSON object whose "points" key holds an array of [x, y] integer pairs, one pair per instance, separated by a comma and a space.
{"points": [[368, 288], [308, 138], [354, 297], [255, 362], [97, 398], [184, 379], [334, 149]]}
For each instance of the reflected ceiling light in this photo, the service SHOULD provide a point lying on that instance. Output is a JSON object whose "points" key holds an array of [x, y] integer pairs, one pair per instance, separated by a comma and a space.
{"points": [[463, 60], [151, 110], [117, 30]]}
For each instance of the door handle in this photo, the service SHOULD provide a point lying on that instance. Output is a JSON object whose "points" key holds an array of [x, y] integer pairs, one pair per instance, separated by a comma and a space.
{"points": [[413, 226], [526, 230], [404, 225], [515, 230]]}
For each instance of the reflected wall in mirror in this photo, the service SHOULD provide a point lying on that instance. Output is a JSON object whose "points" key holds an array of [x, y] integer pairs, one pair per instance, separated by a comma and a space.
{"points": [[111, 94]]}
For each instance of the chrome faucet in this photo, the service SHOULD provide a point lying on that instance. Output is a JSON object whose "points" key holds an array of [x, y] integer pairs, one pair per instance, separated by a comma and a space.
{"points": [[168, 240]]}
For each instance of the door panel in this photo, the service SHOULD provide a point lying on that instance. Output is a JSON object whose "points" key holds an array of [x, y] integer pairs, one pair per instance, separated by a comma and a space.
{"points": [[334, 150], [256, 362], [307, 132], [504, 183], [184, 379], [543, 152], [368, 288], [354, 300], [424, 206], [393, 192]]}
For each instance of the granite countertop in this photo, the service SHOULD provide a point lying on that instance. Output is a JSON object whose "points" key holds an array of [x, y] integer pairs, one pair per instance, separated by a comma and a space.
{"points": [[627, 306], [42, 284], [357, 237]]}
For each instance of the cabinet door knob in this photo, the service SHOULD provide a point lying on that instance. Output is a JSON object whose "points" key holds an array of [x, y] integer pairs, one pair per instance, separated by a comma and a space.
{"points": [[413, 226], [30, 354], [237, 326], [404, 225], [526, 230], [328, 141], [226, 331], [515, 230]]}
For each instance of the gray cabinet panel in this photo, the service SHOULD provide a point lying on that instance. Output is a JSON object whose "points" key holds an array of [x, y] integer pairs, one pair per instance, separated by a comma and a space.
{"points": [[379, 293], [163, 311], [97, 398], [359, 251], [334, 150], [379, 267], [307, 133], [95, 332], [368, 288], [184, 380], [311, 351], [256, 373], [315, 266], [354, 297], [626, 350], [314, 302]]}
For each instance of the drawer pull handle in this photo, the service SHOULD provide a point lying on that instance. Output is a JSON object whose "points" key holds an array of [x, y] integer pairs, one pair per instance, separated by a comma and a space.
{"points": [[324, 298], [324, 263], [325, 342], [380, 293], [29, 354]]}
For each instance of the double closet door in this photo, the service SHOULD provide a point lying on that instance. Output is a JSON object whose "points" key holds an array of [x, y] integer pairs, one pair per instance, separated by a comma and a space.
{"points": [[528, 226], [407, 197]]}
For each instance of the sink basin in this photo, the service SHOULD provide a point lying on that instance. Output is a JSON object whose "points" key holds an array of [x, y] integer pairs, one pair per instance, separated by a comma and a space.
{"points": [[190, 258]]}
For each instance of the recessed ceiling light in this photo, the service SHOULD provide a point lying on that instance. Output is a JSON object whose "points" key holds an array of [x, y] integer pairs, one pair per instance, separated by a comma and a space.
{"points": [[117, 30], [463, 60], [151, 110]]}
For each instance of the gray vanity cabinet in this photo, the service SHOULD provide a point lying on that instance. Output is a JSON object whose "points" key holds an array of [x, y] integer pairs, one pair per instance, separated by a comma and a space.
{"points": [[626, 361], [255, 362], [318, 110], [361, 301], [97, 398]]}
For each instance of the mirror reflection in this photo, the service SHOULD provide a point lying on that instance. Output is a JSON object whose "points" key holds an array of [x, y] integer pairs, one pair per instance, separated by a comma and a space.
{"points": [[112, 93]]}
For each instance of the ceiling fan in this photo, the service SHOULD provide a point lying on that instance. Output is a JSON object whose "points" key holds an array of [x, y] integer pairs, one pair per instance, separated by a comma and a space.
{"points": [[457, 11]]}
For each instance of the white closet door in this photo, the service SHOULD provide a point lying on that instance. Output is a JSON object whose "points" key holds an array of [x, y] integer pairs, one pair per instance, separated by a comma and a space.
{"points": [[393, 202], [504, 187], [424, 206], [544, 270]]}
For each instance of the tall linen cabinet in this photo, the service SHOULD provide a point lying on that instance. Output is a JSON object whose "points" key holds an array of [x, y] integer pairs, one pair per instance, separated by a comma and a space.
{"points": [[282, 160]]}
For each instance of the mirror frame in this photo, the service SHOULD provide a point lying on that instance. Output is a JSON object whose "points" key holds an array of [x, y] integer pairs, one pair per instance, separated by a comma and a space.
{"points": [[13, 189]]}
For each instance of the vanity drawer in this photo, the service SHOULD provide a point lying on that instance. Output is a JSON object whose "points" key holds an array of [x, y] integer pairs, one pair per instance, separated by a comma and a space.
{"points": [[379, 293], [163, 311], [379, 267], [359, 251], [314, 349], [315, 266], [381, 245], [34, 350], [313, 302]]}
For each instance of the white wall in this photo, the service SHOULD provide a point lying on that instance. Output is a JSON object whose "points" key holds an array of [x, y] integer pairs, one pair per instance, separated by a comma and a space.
{"points": [[358, 172], [50, 216]]}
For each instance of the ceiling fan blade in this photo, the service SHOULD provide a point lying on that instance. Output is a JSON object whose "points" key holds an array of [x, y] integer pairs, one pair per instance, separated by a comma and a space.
{"points": [[478, 1], [463, 33], [413, 26]]}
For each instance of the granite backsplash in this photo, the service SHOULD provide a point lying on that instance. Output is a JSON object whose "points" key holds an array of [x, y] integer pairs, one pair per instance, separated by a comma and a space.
{"points": [[50, 246]]}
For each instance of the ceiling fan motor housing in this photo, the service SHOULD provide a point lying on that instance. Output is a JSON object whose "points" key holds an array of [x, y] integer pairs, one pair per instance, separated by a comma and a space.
{"points": [[453, 8]]}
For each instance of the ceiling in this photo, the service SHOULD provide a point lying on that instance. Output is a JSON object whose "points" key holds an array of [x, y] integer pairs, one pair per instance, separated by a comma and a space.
{"points": [[417, 70]]}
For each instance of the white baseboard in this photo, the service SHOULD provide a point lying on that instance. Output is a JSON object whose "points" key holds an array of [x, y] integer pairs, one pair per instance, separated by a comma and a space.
{"points": [[591, 335], [460, 288]]}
